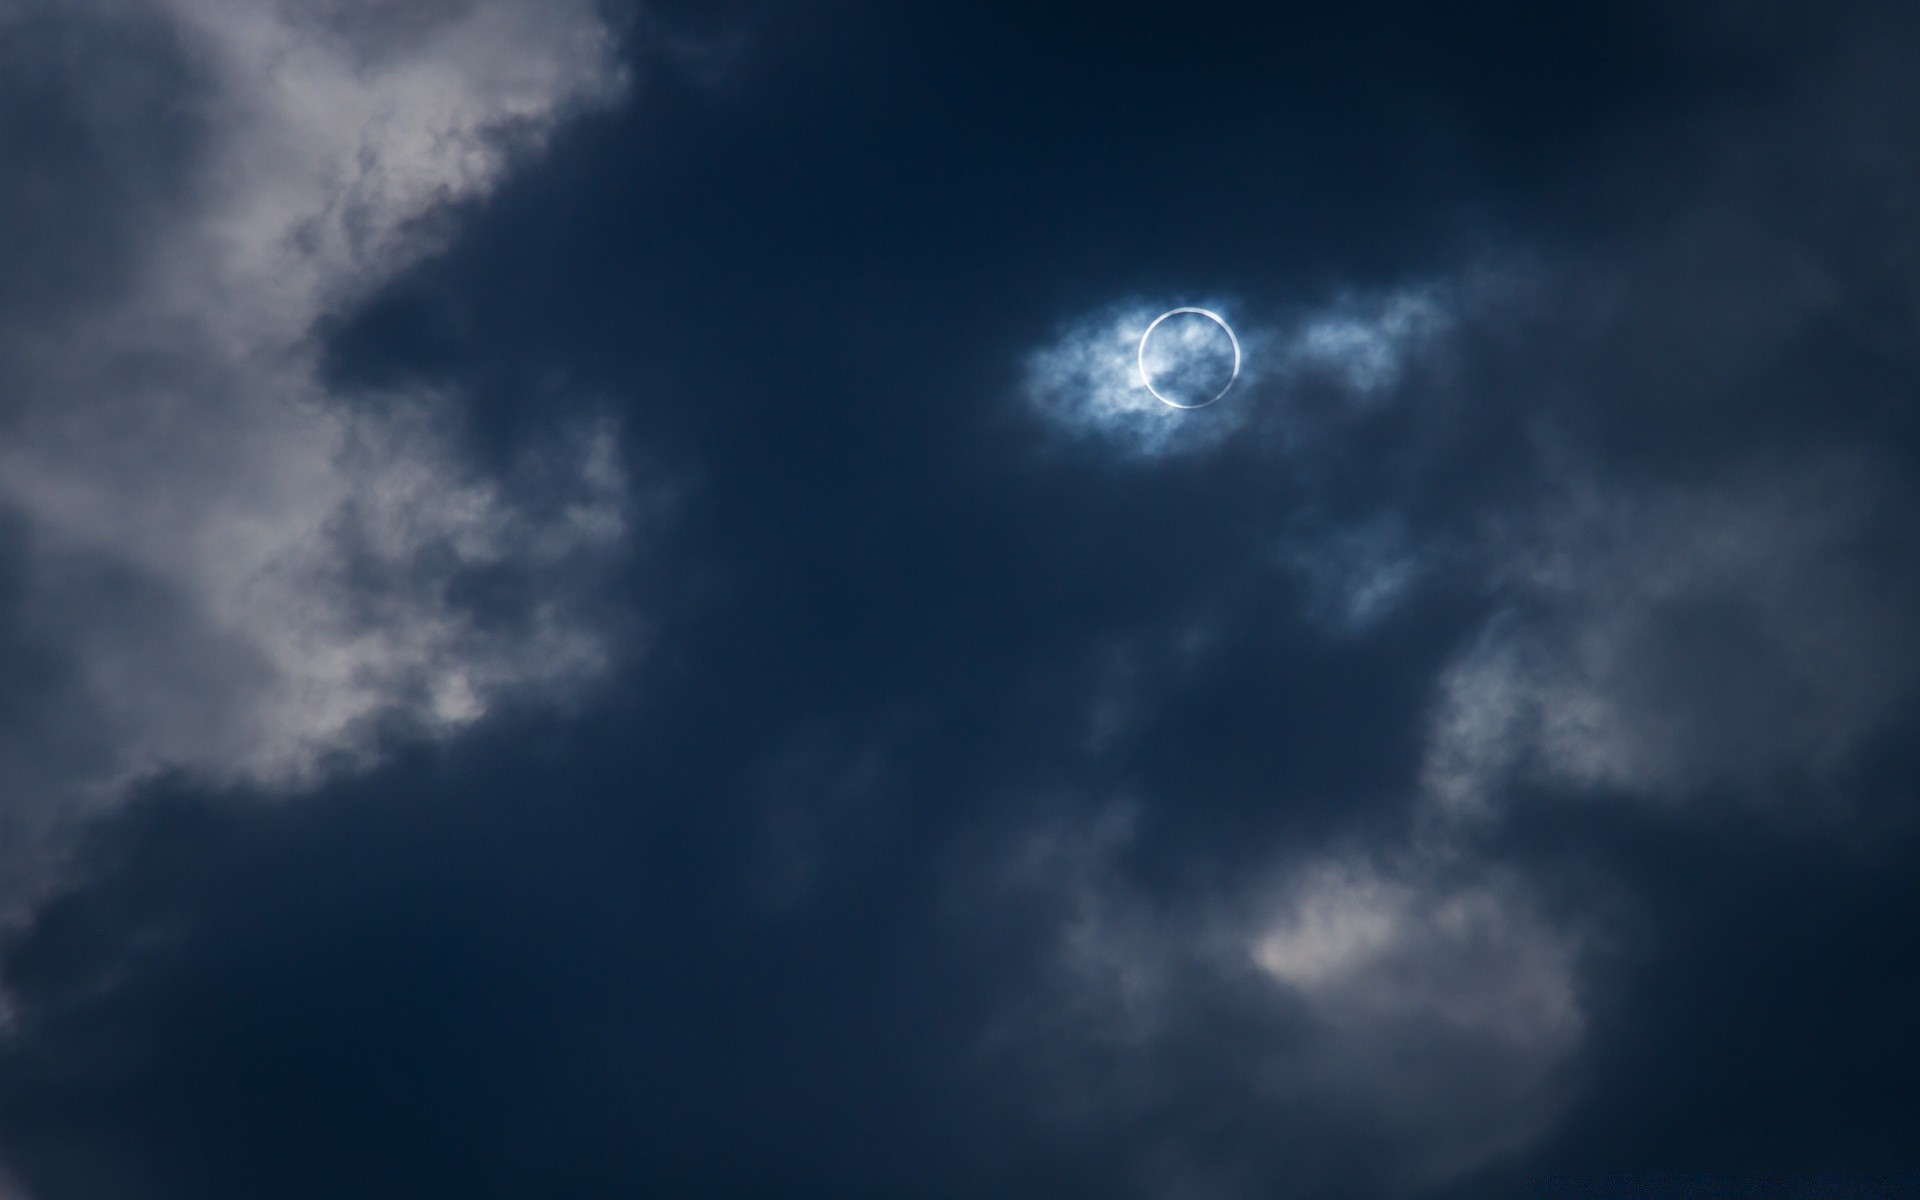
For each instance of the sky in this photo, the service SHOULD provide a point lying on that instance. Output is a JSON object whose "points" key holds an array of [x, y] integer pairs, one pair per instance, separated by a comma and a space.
{"points": [[593, 602]]}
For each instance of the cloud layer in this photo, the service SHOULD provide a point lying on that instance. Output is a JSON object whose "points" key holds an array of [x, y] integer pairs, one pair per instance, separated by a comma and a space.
{"points": [[1480, 744]]}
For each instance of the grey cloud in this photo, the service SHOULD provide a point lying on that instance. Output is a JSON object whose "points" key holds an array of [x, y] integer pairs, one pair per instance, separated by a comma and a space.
{"points": [[1694, 546], [1423, 995], [1662, 642], [1446, 1006], [102, 123], [224, 567]]}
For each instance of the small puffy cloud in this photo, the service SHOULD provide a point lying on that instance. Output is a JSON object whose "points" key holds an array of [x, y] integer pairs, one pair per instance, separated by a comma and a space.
{"points": [[1087, 383]]}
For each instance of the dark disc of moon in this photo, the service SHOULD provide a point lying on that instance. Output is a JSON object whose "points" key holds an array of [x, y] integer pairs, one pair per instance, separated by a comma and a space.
{"points": [[1189, 357]]}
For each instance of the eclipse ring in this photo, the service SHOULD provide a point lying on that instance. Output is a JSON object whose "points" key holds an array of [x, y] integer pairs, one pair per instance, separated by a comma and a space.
{"points": [[1217, 319]]}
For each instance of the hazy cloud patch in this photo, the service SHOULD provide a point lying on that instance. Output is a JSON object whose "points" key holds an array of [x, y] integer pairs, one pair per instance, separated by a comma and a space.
{"points": [[1425, 996], [1355, 575], [1367, 342], [1446, 1005], [1665, 641]]}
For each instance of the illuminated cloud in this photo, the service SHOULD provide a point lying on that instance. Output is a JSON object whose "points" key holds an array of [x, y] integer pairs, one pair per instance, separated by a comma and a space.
{"points": [[1087, 385]]}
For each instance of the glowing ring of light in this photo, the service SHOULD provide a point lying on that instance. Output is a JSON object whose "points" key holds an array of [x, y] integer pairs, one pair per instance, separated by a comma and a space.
{"points": [[1217, 319]]}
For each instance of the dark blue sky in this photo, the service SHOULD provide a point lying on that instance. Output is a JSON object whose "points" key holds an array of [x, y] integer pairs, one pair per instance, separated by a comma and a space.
{"points": [[591, 605]]}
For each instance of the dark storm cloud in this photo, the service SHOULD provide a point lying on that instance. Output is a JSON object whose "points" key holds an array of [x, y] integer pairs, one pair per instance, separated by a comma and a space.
{"points": [[1373, 785]]}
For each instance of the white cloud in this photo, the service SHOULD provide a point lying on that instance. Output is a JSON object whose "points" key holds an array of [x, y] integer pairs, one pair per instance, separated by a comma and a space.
{"points": [[1086, 384], [229, 569]]}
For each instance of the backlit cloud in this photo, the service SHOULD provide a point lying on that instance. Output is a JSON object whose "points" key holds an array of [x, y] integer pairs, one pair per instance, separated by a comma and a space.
{"points": [[1087, 385]]}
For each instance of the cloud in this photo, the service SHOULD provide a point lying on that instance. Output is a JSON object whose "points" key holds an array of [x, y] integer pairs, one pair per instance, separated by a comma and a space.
{"points": [[1426, 998], [1446, 1006], [1642, 580], [1665, 642], [1398, 597], [1354, 575], [1086, 384], [1366, 341], [221, 565], [1657, 507]]}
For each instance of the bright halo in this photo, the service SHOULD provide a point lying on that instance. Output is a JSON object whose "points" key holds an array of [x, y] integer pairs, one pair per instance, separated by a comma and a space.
{"points": [[1217, 319]]}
